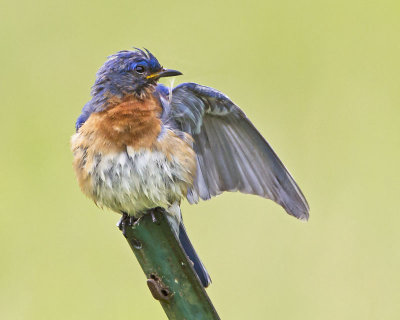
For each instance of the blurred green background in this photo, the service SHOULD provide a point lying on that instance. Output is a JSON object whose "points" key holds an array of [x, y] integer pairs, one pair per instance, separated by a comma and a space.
{"points": [[320, 79]]}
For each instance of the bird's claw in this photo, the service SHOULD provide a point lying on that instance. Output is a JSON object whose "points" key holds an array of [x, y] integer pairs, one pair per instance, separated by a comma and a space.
{"points": [[125, 222], [153, 214]]}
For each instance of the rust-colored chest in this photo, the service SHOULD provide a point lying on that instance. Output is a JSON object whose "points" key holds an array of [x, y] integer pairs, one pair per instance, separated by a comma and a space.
{"points": [[131, 122]]}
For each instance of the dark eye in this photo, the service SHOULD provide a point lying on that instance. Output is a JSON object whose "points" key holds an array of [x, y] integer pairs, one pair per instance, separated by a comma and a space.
{"points": [[139, 69]]}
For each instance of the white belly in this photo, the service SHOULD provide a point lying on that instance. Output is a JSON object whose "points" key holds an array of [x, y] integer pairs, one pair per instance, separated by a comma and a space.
{"points": [[134, 181]]}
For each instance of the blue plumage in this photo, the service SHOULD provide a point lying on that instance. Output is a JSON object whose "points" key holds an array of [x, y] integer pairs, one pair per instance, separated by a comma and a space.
{"points": [[191, 253], [192, 123]]}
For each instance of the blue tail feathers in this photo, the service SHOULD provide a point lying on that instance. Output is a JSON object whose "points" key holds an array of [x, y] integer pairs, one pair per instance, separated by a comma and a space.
{"points": [[191, 253]]}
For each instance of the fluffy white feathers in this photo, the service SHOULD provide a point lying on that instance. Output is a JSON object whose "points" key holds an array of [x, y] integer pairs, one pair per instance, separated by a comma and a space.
{"points": [[134, 181]]}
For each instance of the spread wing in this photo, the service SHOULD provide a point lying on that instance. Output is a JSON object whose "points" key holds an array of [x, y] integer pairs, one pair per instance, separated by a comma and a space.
{"points": [[232, 155]]}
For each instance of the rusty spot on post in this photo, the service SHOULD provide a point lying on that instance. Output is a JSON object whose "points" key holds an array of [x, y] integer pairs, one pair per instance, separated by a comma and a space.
{"points": [[158, 289]]}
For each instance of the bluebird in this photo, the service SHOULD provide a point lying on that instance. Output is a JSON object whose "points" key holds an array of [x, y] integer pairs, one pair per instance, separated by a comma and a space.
{"points": [[140, 145]]}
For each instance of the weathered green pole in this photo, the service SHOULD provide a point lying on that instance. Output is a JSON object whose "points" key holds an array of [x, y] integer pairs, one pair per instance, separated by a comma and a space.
{"points": [[170, 274]]}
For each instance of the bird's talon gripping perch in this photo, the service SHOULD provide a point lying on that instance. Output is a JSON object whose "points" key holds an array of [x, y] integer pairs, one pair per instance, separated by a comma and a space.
{"points": [[121, 221], [132, 220], [153, 214], [124, 222]]}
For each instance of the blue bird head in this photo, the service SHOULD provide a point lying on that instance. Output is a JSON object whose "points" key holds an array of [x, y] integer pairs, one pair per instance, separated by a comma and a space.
{"points": [[129, 72]]}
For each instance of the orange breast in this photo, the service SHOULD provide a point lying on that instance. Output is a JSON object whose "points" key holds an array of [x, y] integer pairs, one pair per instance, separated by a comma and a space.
{"points": [[130, 122]]}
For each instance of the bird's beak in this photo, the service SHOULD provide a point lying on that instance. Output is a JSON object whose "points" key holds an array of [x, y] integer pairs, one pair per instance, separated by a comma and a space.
{"points": [[164, 73]]}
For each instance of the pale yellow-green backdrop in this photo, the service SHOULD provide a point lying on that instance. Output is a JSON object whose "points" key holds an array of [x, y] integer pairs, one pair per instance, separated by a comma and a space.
{"points": [[320, 79]]}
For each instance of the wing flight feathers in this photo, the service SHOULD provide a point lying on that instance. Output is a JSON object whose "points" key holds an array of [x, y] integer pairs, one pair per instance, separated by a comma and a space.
{"points": [[231, 154]]}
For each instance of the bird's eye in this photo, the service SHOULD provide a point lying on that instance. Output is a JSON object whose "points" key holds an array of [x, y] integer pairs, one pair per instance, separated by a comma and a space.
{"points": [[139, 69]]}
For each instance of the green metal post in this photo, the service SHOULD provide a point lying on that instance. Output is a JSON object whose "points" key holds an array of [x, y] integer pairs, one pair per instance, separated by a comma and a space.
{"points": [[170, 274]]}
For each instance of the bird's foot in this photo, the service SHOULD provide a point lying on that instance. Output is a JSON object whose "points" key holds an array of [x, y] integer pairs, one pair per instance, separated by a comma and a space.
{"points": [[152, 213], [125, 222]]}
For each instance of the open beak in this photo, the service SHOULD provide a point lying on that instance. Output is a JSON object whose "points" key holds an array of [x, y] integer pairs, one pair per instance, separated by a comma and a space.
{"points": [[164, 73]]}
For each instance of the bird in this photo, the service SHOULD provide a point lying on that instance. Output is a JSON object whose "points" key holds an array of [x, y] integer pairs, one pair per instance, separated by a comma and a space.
{"points": [[141, 145]]}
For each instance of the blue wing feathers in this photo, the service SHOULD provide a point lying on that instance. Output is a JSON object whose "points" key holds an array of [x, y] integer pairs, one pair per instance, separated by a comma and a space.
{"points": [[162, 89], [86, 112], [232, 155]]}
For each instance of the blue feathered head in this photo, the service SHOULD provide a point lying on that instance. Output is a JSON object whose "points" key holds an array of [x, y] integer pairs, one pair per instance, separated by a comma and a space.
{"points": [[129, 72]]}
